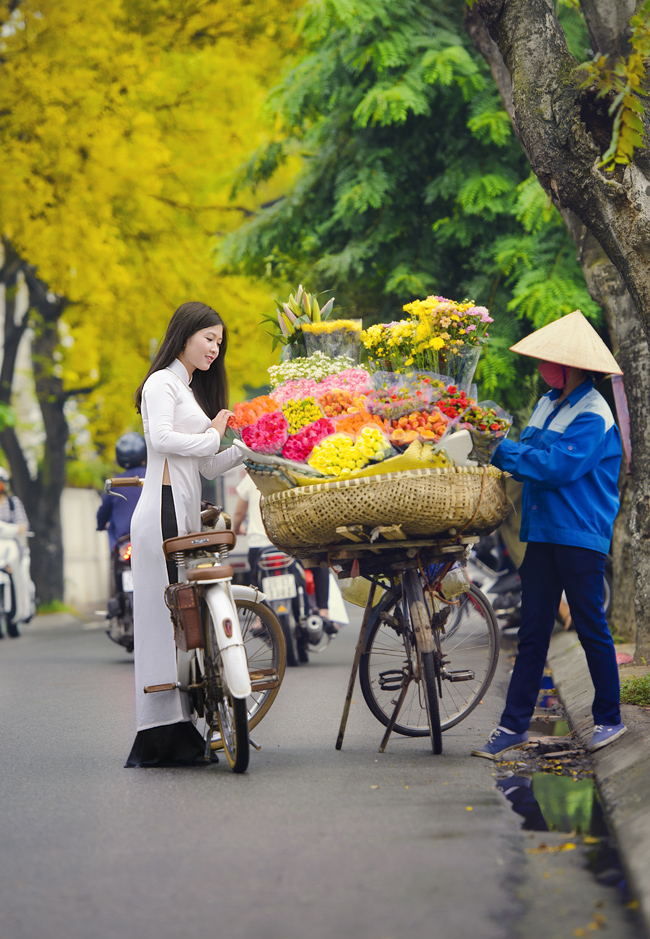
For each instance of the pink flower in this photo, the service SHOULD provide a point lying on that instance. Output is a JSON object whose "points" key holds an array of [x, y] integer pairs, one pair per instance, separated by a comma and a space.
{"points": [[267, 435]]}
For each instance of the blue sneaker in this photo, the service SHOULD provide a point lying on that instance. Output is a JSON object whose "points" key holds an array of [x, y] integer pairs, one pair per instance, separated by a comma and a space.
{"points": [[499, 742], [604, 734]]}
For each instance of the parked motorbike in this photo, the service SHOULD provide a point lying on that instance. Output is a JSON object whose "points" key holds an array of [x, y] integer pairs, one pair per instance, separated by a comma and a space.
{"points": [[490, 568], [120, 606], [289, 589]]}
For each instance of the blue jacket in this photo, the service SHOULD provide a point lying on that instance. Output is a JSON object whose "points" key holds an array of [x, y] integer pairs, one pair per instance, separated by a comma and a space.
{"points": [[568, 457]]}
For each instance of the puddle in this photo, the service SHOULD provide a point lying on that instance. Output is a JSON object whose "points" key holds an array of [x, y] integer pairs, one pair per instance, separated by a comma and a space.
{"points": [[548, 802]]}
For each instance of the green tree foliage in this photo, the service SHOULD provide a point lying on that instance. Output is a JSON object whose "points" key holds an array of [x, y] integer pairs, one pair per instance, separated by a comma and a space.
{"points": [[411, 182]]}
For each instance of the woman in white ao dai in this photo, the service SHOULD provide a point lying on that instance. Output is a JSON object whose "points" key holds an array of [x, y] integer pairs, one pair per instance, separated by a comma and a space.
{"points": [[182, 401]]}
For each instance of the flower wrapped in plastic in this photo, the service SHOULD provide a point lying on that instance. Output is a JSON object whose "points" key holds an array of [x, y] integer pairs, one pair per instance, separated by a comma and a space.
{"points": [[453, 402], [425, 425], [337, 455], [342, 454], [338, 402], [268, 434], [373, 443], [301, 412], [353, 423], [315, 367], [334, 338], [299, 446], [395, 401], [489, 425]]}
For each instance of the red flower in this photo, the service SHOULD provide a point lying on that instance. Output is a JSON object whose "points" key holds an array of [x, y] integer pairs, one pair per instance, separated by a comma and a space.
{"points": [[494, 427]]}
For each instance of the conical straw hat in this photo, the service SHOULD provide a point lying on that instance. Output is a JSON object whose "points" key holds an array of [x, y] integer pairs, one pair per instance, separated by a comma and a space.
{"points": [[573, 341]]}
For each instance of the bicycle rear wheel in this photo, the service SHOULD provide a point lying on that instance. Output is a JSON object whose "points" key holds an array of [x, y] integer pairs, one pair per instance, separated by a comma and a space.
{"points": [[470, 644]]}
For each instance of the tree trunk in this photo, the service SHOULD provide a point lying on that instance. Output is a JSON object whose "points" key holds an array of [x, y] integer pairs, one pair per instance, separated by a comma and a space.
{"points": [[41, 496], [565, 128], [607, 282]]}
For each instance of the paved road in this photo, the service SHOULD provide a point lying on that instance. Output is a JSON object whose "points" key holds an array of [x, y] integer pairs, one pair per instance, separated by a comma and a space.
{"points": [[311, 842]]}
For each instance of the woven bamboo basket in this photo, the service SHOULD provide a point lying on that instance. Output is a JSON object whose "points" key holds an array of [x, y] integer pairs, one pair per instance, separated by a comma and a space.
{"points": [[424, 502]]}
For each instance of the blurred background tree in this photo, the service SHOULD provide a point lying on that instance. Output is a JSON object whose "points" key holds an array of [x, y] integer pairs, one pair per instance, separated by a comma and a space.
{"points": [[120, 127]]}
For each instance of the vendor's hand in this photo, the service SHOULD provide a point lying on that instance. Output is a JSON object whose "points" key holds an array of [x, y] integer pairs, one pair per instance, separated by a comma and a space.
{"points": [[221, 421]]}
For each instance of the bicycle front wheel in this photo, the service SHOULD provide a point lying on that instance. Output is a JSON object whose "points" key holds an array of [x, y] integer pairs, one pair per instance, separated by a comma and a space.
{"points": [[231, 713]]}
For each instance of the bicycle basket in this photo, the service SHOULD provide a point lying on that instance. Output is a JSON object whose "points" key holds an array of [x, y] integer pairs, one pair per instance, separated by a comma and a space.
{"points": [[425, 502], [183, 602]]}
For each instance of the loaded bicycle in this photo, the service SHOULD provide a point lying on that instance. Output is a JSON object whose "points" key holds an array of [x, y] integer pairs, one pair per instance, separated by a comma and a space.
{"points": [[237, 653], [429, 643]]}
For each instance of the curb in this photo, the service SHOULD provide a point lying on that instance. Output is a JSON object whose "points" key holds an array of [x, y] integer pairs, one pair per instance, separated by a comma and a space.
{"points": [[622, 770]]}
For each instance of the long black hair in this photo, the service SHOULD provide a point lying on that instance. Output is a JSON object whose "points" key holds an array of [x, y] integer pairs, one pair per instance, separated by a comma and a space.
{"points": [[210, 387]]}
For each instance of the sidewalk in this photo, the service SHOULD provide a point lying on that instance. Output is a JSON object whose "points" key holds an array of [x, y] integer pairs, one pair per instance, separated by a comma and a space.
{"points": [[622, 770]]}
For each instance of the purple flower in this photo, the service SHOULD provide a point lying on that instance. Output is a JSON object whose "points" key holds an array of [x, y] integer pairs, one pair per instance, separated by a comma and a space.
{"points": [[470, 328], [478, 311]]}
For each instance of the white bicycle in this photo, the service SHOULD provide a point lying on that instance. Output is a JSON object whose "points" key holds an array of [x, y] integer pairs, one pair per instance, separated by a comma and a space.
{"points": [[235, 651]]}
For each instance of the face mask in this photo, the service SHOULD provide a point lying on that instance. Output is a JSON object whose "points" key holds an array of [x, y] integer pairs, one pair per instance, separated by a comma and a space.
{"points": [[553, 374]]}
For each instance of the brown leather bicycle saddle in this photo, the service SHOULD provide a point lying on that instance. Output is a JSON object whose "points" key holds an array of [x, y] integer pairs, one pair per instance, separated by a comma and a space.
{"points": [[196, 540], [218, 572]]}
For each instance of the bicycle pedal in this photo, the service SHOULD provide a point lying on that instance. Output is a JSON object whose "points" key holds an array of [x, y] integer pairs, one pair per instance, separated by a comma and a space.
{"points": [[460, 674], [168, 686], [391, 680]]}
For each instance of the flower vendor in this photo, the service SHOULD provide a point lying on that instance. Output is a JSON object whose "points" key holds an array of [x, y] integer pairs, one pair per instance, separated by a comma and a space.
{"points": [[568, 458]]}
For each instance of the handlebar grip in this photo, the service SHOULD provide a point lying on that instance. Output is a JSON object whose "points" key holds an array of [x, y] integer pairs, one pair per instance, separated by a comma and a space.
{"points": [[120, 481]]}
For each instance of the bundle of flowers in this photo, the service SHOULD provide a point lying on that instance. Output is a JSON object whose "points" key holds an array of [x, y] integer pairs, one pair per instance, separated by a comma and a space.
{"points": [[315, 367], [353, 423], [340, 454], [247, 412], [299, 446], [356, 381], [334, 337], [433, 338], [489, 425], [338, 402], [391, 403], [454, 403], [300, 413], [419, 425], [268, 434]]}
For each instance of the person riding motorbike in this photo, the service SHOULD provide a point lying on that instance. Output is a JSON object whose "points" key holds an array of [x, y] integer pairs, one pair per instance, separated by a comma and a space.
{"points": [[114, 514], [15, 556]]}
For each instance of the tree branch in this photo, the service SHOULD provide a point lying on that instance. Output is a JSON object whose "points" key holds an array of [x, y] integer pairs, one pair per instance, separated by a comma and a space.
{"points": [[608, 22]]}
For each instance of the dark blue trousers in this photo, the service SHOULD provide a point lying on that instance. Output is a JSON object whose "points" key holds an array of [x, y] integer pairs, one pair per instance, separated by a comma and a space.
{"points": [[547, 570]]}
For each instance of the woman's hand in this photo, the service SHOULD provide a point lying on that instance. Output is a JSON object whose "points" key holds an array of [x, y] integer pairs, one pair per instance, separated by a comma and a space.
{"points": [[221, 421]]}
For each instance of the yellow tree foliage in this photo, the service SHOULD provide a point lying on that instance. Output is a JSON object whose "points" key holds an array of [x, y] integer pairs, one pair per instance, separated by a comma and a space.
{"points": [[121, 126]]}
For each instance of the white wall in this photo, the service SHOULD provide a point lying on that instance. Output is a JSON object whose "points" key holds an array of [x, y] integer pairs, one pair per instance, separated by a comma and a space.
{"points": [[86, 555]]}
